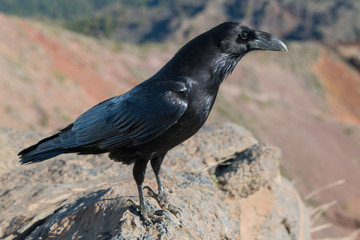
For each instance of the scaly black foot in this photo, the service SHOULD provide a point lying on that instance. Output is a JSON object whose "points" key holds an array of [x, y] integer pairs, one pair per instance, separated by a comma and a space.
{"points": [[163, 201], [147, 213]]}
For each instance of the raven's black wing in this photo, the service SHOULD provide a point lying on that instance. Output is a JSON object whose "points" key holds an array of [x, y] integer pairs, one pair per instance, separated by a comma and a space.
{"points": [[132, 119]]}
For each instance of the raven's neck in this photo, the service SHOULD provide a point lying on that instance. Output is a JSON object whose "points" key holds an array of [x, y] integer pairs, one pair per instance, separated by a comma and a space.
{"points": [[202, 61], [209, 71], [223, 67]]}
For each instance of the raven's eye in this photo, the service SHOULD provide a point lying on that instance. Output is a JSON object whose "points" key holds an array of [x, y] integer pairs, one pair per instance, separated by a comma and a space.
{"points": [[244, 35]]}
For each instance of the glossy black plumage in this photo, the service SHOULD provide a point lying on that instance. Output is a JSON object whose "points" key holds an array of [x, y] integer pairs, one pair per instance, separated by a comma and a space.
{"points": [[163, 111]]}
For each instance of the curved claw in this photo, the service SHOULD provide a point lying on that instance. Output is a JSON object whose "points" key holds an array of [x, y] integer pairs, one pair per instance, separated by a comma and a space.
{"points": [[163, 201], [151, 192], [147, 214]]}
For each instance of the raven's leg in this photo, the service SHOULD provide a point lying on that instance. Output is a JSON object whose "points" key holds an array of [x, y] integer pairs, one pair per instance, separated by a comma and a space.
{"points": [[139, 176], [161, 196]]}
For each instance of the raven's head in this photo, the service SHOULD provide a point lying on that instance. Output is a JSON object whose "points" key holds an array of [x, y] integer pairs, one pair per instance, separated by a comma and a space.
{"points": [[214, 54], [237, 39], [233, 41]]}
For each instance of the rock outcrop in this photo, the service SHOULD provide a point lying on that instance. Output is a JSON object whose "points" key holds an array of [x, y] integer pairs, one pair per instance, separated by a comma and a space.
{"points": [[226, 183]]}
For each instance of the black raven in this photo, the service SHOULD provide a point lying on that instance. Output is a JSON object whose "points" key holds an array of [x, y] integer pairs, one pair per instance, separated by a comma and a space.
{"points": [[143, 124]]}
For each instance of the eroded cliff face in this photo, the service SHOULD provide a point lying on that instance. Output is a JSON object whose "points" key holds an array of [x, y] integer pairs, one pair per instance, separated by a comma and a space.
{"points": [[226, 183]]}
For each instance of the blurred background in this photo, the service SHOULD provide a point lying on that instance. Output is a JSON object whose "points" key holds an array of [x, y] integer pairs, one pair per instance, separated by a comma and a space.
{"points": [[59, 58]]}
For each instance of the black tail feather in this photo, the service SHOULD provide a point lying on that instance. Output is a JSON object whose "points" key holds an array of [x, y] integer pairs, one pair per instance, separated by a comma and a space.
{"points": [[44, 149], [33, 147], [38, 157]]}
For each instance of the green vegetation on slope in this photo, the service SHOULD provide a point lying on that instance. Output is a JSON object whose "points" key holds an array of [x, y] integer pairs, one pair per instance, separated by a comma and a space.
{"points": [[157, 20], [102, 18], [69, 9], [64, 9]]}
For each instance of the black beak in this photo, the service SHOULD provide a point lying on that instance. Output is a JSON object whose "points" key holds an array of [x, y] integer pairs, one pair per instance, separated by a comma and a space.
{"points": [[265, 41]]}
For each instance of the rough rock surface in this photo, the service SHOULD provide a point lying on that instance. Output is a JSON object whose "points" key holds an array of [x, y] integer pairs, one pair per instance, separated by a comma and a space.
{"points": [[226, 183]]}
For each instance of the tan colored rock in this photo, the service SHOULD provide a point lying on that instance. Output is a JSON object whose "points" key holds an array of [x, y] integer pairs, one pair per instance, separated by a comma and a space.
{"points": [[77, 197]]}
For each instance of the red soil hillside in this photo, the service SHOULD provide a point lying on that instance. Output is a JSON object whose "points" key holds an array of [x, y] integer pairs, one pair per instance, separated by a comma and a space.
{"points": [[73, 62], [49, 75], [343, 87]]}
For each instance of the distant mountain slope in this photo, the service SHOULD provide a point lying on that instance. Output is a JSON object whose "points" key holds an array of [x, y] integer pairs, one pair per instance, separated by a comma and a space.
{"points": [[50, 75], [306, 100], [160, 20]]}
